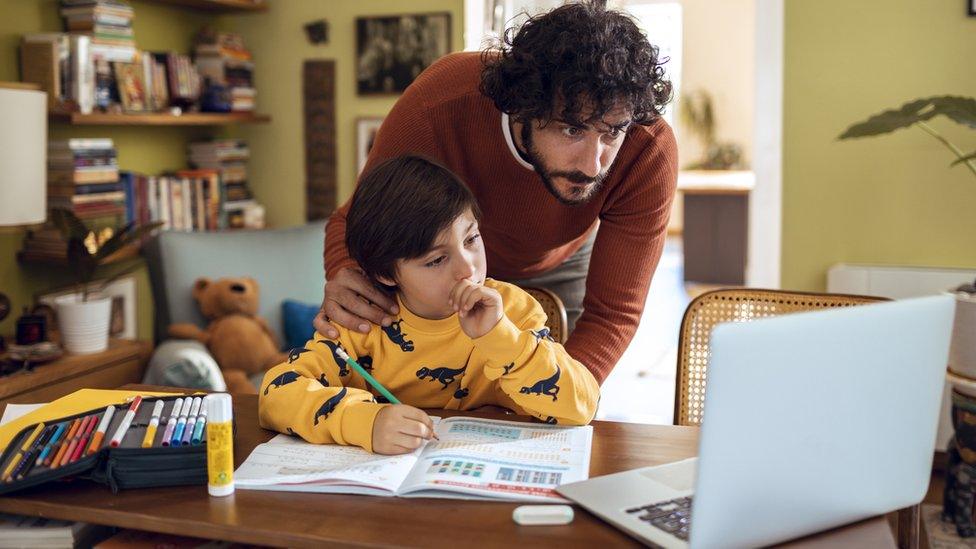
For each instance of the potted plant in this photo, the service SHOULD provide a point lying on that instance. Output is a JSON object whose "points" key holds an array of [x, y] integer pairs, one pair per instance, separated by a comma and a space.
{"points": [[84, 316], [962, 110]]}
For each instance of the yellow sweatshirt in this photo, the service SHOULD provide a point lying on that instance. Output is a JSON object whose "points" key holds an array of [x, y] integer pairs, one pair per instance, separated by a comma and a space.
{"points": [[428, 364]]}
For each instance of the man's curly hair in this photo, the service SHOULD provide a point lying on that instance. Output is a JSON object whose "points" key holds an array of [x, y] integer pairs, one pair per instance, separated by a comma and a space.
{"points": [[583, 55]]}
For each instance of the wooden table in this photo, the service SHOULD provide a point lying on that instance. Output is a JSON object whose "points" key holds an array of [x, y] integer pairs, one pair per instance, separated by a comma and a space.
{"points": [[306, 520]]}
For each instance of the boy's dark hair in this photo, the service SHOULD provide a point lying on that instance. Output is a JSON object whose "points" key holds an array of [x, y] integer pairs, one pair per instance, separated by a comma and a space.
{"points": [[399, 208], [583, 55]]}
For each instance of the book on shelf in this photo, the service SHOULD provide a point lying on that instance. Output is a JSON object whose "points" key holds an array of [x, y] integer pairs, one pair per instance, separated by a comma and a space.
{"points": [[39, 532], [222, 60], [44, 59]]}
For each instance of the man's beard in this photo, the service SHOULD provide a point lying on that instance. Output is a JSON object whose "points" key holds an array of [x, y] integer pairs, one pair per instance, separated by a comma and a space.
{"points": [[577, 195]]}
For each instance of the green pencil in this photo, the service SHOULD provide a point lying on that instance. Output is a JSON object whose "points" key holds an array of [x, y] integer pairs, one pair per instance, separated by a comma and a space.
{"points": [[366, 375]]}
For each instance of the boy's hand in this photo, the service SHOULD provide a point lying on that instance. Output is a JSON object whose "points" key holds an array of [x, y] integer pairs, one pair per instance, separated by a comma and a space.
{"points": [[400, 429], [479, 308], [353, 302]]}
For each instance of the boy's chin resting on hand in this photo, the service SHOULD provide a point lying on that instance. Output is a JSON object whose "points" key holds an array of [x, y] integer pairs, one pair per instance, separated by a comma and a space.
{"points": [[479, 308]]}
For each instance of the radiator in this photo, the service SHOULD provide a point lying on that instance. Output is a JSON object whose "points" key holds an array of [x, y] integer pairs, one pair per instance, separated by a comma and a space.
{"points": [[897, 283]]}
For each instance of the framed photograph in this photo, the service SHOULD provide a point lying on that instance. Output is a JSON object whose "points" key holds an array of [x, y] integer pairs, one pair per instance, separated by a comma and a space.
{"points": [[131, 85], [972, 7], [366, 129], [392, 50], [123, 294]]}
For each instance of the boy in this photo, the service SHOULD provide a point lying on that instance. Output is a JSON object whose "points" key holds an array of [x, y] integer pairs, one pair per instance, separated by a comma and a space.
{"points": [[461, 340]]}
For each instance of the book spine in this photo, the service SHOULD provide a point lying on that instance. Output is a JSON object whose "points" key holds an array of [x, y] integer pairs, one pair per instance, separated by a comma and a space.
{"points": [[82, 74]]}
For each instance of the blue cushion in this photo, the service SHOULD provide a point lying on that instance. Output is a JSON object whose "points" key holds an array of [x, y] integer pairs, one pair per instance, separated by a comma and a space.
{"points": [[297, 320]]}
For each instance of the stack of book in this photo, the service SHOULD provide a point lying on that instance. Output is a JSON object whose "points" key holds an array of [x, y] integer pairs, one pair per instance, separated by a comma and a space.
{"points": [[83, 176], [222, 59], [23, 531], [229, 157], [108, 23]]}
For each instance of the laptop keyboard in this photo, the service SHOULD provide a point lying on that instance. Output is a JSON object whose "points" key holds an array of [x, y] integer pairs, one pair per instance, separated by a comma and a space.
{"points": [[672, 516]]}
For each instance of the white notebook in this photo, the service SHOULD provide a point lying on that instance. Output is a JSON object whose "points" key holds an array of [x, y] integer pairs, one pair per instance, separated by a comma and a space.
{"points": [[474, 459]]}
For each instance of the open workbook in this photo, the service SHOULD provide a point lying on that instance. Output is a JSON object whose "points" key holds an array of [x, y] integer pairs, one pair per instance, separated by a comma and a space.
{"points": [[474, 459]]}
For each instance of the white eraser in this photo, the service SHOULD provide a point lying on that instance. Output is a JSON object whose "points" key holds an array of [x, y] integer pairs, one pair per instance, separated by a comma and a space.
{"points": [[538, 515]]}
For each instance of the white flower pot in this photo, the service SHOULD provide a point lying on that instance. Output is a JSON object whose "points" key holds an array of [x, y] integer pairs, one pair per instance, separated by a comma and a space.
{"points": [[84, 324]]}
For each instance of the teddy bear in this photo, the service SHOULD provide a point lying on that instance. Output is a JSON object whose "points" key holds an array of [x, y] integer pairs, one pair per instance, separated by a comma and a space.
{"points": [[240, 341]]}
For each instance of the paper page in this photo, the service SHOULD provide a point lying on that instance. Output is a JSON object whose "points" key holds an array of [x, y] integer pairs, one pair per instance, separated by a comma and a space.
{"points": [[501, 460], [292, 464], [14, 411]]}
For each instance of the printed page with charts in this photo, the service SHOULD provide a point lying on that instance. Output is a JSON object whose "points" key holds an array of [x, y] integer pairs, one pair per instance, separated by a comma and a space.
{"points": [[474, 459]]}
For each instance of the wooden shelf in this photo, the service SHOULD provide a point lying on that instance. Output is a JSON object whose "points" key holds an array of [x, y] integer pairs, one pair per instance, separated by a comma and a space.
{"points": [[158, 119], [123, 362], [218, 5], [128, 252]]}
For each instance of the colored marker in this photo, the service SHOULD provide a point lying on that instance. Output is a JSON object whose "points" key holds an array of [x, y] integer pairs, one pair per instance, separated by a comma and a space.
{"points": [[181, 423], [51, 443], [171, 424], [20, 458], [370, 379], [31, 458], [83, 441], [153, 424], [73, 443], [191, 421], [198, 428], [96, 440], [126, 422], [63, 445]]}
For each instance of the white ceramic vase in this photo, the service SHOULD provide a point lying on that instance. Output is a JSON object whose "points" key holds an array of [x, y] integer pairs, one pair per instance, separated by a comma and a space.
{"points": [[84, 324]]}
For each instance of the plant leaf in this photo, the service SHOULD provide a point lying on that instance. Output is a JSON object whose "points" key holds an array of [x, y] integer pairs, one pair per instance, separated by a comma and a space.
{"points": [[82, 263], [891, 120], [123, 238], [69, 224], [961, 110]]}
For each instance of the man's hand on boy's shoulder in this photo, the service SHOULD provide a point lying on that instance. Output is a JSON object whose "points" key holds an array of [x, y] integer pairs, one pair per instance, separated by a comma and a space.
{"points": [[479, 307], [351, 301]]}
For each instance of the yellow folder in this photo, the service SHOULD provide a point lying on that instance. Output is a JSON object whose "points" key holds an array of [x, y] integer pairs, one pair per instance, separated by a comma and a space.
{"points": [[77, 402]]}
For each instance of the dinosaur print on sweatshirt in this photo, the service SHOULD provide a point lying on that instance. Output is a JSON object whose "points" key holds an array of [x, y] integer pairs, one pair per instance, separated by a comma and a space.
{"points": [[295, 353], [332, 345], [329, 406], [398, 337], [542, 333], [546, 386], [282, 379], [444, 374]]}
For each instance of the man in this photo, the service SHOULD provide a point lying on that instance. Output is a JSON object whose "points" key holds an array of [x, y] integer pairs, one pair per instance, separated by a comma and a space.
{"points": [[560, 138]]}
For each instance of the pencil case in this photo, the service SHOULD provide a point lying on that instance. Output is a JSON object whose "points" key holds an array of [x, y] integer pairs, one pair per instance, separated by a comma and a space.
{"points": [[125, 466]]}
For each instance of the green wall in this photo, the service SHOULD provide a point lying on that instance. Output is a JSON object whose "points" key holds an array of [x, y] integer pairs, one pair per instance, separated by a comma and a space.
{"points": [[277, 39], [278, 42], [889, 199]]}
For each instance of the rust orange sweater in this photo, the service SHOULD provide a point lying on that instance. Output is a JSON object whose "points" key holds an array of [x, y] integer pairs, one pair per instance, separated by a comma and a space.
{"points": [[526, 231]]}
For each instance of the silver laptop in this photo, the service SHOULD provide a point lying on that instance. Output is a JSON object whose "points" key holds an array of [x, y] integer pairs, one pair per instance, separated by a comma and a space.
{"points": [[812, 421]]}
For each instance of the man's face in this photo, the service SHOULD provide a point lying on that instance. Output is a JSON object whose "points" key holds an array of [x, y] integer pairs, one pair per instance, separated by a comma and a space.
{"points": [[573, 160], [425, 283]]}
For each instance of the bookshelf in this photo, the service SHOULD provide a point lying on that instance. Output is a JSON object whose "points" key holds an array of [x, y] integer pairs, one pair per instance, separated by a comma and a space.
{"points": [[218, 5], [158, 119]]}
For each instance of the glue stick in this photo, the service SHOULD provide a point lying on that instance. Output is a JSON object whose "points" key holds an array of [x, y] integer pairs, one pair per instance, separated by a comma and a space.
{"points": [[220, 445]]}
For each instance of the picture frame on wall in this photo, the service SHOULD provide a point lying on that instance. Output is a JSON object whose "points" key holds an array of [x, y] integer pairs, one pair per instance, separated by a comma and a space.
{"points": [[123, 323], [392, 50], [131, 85], [972, 7], [366, 128]]}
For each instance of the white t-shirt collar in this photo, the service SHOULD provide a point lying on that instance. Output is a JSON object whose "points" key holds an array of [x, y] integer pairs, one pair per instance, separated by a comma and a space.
{"points": [[506, 130]]}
